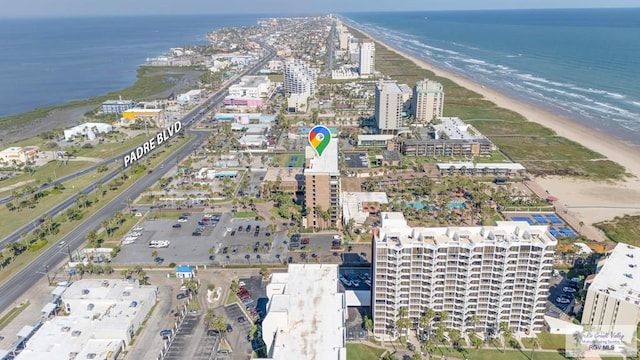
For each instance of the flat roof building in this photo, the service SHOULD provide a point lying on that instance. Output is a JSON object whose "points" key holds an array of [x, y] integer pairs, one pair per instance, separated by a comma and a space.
{"points": [[305, 314], [487, 273], [428, 100], [18, 155], [322, 187], [388, 106], [89, 130], [103, 317], [452, 137], [256, 86], [299, 78], [117, 106], [613, 298], [359, 205], [280, 179]]}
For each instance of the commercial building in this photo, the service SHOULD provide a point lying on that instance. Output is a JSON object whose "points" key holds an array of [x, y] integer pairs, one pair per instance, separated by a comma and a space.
{"points": [[367, 57], [117, 106], [280, 179], [103, 316], [233, 101], [360, 205], [428, 100], [18, 155], [452, 137], [191, 96], [613, 297], [305, 314], [299, 78], [258, 86], [89, 130], [388, 106], [481, 276], [297, 103], [386, 141], [322, 187]]}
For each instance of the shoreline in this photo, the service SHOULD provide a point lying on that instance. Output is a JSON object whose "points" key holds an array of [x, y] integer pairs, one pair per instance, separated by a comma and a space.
{"points": [[589, 200]]}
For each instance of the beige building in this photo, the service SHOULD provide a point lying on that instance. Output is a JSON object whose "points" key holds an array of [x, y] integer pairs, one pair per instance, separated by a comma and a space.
{"points": [[388, 106], [428, 100], [613, 297], [280, 179], [489, 273], [18, 155], [322, 187]]}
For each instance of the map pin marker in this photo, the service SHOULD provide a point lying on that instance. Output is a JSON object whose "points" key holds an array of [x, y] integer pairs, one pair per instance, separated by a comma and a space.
{"points": [[319, 138]]}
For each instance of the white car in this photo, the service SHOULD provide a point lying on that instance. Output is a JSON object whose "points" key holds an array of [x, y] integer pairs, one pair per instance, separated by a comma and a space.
{"points": [[569, 289], [337, 237], [61, 244], [562, 300], [182, 220], [137, 228], [229, 229]]}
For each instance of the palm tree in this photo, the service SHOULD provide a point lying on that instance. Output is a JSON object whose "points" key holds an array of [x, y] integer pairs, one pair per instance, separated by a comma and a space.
{"points": [[534, 344], [368, 324], [506, 334], [403, 322], [154, 254]]}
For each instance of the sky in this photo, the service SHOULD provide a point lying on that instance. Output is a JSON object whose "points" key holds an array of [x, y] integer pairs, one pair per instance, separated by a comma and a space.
{"points": [[72, 8]]}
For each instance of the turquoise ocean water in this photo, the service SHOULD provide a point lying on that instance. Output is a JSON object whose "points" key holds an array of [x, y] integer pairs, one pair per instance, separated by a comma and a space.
{"points": [[581, 63]]}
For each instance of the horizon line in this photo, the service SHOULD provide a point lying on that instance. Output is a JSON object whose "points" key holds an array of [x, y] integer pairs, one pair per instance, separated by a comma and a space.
{"points": [[297, 14]]}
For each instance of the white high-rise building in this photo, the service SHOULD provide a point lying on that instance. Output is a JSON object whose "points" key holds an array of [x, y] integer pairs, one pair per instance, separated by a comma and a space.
{"points": [[299, 78], [367, 57], [388, 106], [613, 298], [481, 276], [427, 101]]}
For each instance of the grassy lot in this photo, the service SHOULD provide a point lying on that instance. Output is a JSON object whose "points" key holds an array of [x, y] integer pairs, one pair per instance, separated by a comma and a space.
{"points": [[10, 221], [150, 81], [109, 149], [362, 352], [245, 215], [12, 314], [551, 341], [232, 298], [276, 77], [624, 229], [520, 139], [47, 172], [527, 342]]}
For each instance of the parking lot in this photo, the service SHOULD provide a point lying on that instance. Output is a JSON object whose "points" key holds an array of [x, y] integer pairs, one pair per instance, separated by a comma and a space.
{"points": [[356, 160], [181, 341], [561, 288], [245, 241], [325, 248]]}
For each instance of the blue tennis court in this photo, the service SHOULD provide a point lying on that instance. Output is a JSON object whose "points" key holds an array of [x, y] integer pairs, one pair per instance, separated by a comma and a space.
{"points": [[556, 233], [540, 219], [554, 219], [523, 218], [568, 232]]}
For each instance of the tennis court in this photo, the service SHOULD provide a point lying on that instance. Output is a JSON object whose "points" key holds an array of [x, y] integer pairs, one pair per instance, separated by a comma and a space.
{"points": [[557, 227], [295, 161]]}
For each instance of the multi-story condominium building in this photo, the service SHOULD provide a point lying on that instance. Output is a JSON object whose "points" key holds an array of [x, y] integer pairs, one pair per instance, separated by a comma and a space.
{"points": [[299, 78], [481, 276], [452, 137], [257, 86], [428, 100], [322, 187], [388, 106], [613, 297], [367, 57]]}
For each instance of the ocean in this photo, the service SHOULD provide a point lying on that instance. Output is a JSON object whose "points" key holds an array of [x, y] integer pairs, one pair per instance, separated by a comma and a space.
{"points": [[51, 61], [580, 63]]}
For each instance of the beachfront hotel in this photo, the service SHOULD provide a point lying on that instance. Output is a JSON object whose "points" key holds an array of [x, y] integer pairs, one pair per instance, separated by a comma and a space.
{"points": [[367, 57], [299, 78], [322, 187], [388, 106], [428, 100], [613, 296], [489, 274]]}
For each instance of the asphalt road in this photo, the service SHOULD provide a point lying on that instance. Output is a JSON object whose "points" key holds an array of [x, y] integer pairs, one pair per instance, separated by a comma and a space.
{"points": [[51, 258]]}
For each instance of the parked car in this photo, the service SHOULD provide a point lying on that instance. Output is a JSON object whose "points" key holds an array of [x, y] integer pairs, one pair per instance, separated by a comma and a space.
{"points": [[568, 289], [562, 300], [177, 226], [165, 333], [181, 296], [182, 220]]}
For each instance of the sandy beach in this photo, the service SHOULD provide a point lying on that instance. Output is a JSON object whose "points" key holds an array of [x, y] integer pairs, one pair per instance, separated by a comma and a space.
{"points": [[590, 201]]}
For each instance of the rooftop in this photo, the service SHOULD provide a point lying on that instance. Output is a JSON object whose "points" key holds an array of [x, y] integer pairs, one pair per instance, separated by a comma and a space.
{"points": [[252, 81], [285, 174], [620, 275], [389, 86], [308, 317], [325, 164], [455, 128], [394, 228]]}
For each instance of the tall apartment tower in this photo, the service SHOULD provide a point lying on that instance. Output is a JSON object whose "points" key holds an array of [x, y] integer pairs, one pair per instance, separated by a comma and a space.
{"points": [[481, 276], [613, 297], [388, 106], [322, 187], [427, 101], [367, 57], [299, 78]]}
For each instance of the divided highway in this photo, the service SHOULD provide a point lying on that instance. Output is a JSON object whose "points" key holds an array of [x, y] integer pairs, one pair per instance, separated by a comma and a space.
{"points": [[21, 281]]}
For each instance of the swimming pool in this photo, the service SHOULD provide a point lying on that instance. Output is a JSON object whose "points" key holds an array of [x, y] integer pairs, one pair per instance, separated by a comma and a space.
{"points": [[456, 205]]}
